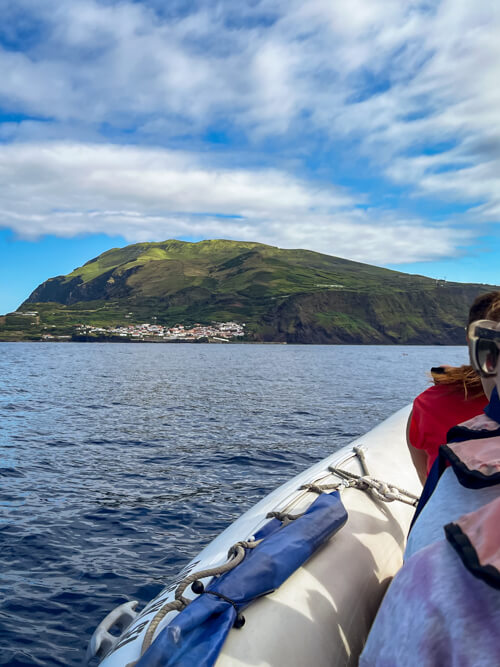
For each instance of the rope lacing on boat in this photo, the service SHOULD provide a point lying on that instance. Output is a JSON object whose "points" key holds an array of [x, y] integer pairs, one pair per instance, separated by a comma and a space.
{"points": [[380, 490], [284, 517], [235, 555]]}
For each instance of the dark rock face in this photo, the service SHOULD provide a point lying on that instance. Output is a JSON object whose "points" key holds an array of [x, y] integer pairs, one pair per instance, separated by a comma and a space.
{"points": [[415, 318], [108, 285], [56, 289]]}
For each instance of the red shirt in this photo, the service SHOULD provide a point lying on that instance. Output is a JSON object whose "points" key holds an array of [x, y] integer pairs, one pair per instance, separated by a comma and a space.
{"points": [[435, 411]]}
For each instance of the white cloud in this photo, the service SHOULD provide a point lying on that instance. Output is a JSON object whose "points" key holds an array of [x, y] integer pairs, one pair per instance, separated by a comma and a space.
{"points": [[68, 189], [95, 61], [391, 76]]}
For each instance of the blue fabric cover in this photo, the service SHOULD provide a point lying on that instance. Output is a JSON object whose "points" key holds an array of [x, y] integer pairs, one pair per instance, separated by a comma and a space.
{"points": [[492, 410], [196, 635]]}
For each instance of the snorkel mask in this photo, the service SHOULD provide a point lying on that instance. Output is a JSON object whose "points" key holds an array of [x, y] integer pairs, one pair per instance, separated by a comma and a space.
{"points": [[484, 346]]}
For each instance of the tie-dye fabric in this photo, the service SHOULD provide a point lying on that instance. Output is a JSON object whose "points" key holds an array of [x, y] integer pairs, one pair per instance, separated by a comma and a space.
{"points": [[435, 614], [448, 503]]}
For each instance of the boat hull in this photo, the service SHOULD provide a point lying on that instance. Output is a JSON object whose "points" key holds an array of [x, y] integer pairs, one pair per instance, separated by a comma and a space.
{"points": [[323, 612]]}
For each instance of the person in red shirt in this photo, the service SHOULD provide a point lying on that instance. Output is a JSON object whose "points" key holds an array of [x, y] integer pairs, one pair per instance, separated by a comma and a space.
{"points": [[456, 396]]}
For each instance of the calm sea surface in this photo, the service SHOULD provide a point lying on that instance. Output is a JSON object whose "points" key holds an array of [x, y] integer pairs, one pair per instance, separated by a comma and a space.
{"points": [[119, 462]]}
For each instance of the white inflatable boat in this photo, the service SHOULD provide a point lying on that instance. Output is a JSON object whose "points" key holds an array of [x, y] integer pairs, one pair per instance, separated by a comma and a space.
{"points": [[322, 613]]}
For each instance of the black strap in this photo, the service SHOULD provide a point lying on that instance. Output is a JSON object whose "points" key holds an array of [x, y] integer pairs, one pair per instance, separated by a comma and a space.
{"points": [[468, 555], [226, 599]]}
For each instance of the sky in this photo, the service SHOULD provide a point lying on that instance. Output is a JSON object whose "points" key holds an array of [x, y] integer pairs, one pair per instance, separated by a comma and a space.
{"points": [[365, 129]]}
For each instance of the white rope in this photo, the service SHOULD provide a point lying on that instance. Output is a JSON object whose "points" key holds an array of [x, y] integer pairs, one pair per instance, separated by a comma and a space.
{"points": [[379, 489], [236, 554]]}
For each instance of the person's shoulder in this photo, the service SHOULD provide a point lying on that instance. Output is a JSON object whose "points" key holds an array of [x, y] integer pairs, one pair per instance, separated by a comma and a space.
{"points": [[439, 392]]}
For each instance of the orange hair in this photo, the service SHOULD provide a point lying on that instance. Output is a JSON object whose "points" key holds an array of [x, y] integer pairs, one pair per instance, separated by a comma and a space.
{"points": [[464, 375]]}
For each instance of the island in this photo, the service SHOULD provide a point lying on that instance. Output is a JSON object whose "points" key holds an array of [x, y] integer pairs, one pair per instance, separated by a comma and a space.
{"points": [[240, 291]]}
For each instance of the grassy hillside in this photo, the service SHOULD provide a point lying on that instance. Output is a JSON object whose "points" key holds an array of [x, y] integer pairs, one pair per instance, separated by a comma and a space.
{"points": [[282, 295]]}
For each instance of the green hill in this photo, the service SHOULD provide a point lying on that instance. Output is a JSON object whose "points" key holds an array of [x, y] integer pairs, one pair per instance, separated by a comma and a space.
{"points": [[294, 296]]}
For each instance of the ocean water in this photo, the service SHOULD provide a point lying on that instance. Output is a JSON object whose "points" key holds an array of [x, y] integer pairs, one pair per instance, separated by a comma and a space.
{"points": [[119, 462]]}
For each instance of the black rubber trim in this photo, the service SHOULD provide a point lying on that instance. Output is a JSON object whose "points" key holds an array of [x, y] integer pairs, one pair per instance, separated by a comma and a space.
{"points": [[471, 479], [462, 433], [465, 550]]}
